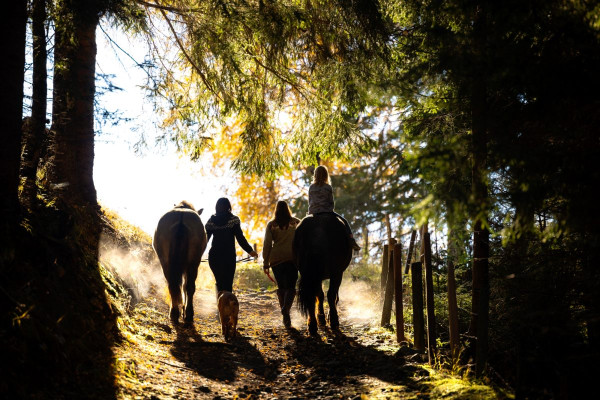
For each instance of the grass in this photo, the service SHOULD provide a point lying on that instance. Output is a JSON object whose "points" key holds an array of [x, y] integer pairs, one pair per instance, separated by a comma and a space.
{"points": [[250, 275], [446, 386]]}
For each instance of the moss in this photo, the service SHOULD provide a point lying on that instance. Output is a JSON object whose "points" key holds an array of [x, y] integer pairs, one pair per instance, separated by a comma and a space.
{"points": [[59, 323], [443, 385]]}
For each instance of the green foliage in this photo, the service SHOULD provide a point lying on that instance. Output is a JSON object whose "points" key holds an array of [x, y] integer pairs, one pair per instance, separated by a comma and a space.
{"points": [[292, 75]]}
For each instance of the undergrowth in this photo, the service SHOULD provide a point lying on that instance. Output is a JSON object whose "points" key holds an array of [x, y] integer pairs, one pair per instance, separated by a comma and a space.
{"points": [[58, 323]]}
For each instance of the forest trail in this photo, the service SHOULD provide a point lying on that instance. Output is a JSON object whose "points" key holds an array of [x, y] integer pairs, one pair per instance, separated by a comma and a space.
{"points": [[157, 360]]}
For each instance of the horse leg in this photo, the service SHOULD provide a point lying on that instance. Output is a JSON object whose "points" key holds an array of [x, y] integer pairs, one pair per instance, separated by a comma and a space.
{"points": [[312, 319], [332, 299], [320, 306], [175, 293], [190, 289]]}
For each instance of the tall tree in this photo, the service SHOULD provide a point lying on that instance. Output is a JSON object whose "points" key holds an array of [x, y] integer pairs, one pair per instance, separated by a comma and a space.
{"points": [[73, 101], [12, 30], [481, 246], [35, 132], [72, 162]]}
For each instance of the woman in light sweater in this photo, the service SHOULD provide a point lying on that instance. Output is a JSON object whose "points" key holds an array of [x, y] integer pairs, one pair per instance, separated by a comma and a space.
{"points": [[277, 255]]}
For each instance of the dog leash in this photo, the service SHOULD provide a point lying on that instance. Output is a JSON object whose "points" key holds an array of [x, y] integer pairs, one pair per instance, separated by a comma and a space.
{"points": [[269, 275], [247, 259]]}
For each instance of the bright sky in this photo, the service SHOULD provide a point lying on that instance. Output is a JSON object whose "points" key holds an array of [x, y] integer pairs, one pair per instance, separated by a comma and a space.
{"points": [[142, 188]]}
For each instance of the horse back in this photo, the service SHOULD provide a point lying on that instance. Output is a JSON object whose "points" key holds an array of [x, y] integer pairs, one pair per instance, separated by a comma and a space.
{"points": [[323, 237], [177, 225]]}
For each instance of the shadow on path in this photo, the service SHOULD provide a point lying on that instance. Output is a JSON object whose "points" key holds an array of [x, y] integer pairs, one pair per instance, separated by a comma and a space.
{"points": [[340, 359], [210, 359], [217, 360]]}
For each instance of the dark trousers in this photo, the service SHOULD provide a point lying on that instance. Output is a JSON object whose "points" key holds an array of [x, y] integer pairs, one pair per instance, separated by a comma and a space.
{"points": [[286, 275], [223, 268]]}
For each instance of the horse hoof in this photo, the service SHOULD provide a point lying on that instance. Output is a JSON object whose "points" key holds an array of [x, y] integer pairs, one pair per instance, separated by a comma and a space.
{"points": [[322, 320], [313, 329], [334, 323], [174, 315], [287, 322]]}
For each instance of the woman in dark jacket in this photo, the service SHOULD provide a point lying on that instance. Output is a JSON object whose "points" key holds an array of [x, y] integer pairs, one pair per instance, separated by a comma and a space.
{"points": [[225, 228]]}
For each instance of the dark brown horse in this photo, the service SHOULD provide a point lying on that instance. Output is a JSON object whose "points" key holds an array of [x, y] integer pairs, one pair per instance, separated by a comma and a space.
{"points": [[179, 242], [322, 251]]}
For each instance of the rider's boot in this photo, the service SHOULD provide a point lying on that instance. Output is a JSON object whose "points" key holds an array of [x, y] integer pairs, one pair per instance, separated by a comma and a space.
{"points": [[354, 245]]}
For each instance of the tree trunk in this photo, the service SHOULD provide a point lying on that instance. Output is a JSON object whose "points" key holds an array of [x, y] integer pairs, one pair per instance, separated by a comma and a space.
{"points": [[480, 296], [71, 169], [452, 304], [431, 329], [34, 135], [365, 235], [388, 227], [12, 67], [73, 113]]}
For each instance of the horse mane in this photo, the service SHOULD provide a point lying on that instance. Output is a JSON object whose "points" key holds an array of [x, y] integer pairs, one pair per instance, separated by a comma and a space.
{"points": [[185, 204]]}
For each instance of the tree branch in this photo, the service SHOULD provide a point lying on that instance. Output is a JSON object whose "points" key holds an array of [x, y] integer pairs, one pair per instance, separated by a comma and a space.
{"points": [[168, 8], [187, 56]]}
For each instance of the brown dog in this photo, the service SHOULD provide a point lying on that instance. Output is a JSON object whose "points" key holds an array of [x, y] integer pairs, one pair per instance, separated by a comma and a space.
{"points": [[229, 308]]}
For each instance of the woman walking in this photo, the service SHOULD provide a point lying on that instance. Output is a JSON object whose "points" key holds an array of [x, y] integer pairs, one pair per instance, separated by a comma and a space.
{"points": [[277, 255], [225, 228]]}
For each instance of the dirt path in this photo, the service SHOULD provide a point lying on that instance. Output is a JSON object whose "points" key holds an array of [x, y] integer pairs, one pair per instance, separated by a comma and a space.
{"points": [[265, 361]]}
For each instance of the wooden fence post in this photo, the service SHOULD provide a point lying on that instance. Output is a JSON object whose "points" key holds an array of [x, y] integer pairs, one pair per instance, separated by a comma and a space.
{"points": [[384, 266], [411, 248], [398, 292], [416, 274], [431, 334], [386, 314]]}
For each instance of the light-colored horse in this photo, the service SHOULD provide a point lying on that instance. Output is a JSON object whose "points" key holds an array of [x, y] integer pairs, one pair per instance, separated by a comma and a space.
{"points": [[179, 242]]}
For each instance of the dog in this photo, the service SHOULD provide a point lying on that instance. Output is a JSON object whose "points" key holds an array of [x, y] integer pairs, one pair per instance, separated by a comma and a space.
{"points": [[229, 308]]}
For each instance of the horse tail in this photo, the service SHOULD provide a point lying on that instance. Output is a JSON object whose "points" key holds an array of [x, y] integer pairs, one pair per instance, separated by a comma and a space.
{"points": [[177, 254], [310, 279]]}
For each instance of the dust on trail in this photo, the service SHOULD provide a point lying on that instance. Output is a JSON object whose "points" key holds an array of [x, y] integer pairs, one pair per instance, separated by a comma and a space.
{"points": [[160, 361]]}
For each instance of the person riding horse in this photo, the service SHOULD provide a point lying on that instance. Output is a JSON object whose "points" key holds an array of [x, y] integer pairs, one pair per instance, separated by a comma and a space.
{"points": [[320, 200], [322, 249]]}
